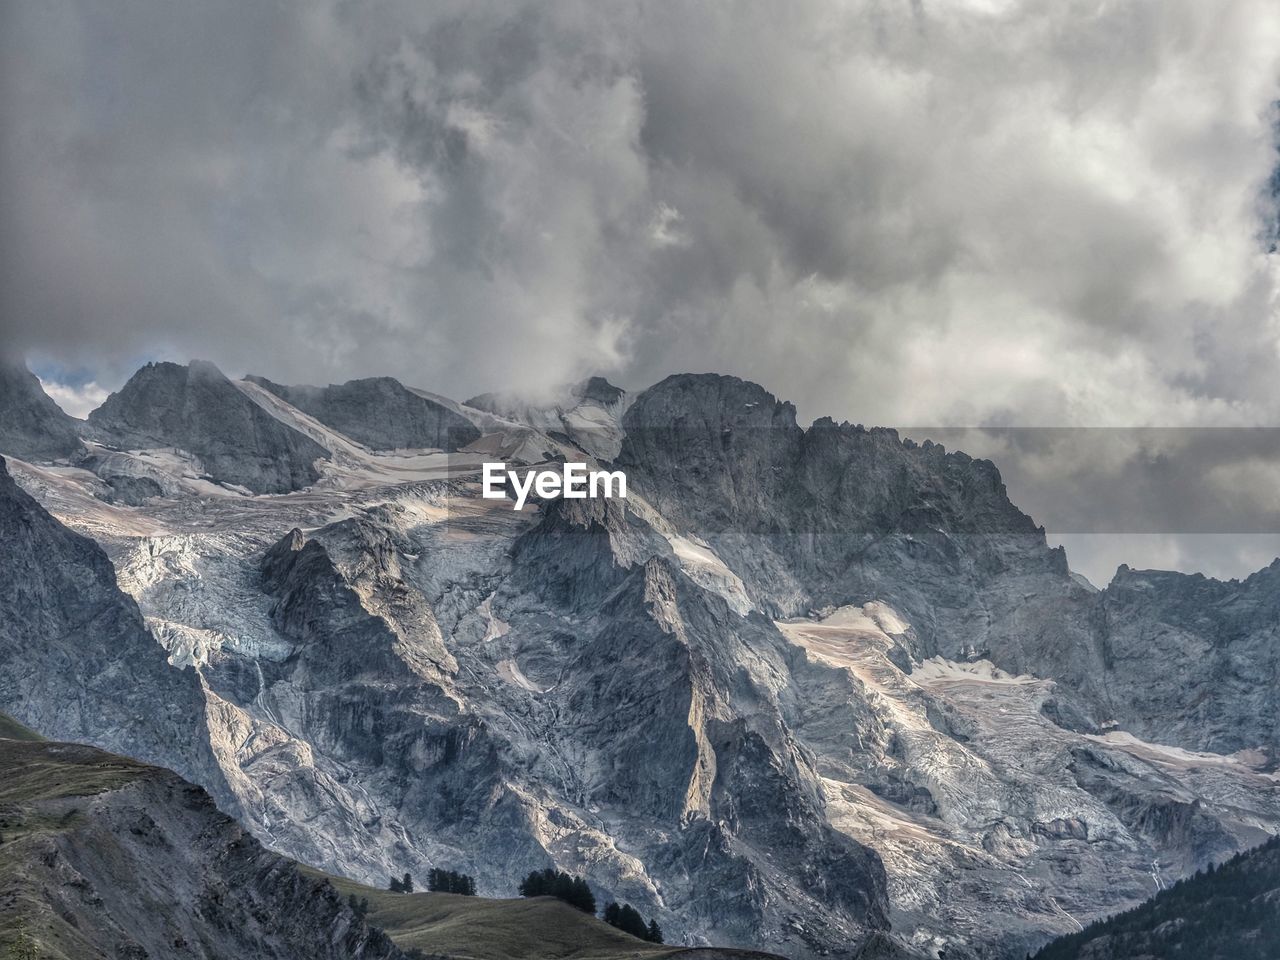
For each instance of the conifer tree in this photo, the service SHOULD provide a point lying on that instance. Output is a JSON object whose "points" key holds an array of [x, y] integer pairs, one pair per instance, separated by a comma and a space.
{"points": [[554, 883]]}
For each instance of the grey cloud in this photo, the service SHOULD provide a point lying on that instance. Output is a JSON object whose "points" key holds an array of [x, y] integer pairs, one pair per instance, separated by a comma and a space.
{"points": [[982, 212], [1223, 556], [1185, 480]]}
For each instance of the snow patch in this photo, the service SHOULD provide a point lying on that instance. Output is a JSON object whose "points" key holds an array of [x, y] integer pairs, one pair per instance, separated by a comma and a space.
{"points": [[939, 670], [510, 671]]}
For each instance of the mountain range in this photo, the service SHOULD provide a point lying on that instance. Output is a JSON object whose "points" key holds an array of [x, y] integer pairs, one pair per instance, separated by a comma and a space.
{"points": [[823, 691]]}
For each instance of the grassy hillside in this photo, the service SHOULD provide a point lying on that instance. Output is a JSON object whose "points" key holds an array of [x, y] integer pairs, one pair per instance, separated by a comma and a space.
{"points": [[32, 771], [40, 783], [103, 856], [539, 928], [476, 927], [11, 729]]}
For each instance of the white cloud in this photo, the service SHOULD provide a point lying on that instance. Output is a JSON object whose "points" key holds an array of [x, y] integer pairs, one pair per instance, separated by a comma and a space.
{"points": [[77, 401], [930, 212]]}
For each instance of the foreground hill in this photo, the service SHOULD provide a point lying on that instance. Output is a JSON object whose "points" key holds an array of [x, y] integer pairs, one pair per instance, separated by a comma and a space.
{"points": [[540, 928], [103, 856], [1228, 913], [11, 729], [107, 857]]}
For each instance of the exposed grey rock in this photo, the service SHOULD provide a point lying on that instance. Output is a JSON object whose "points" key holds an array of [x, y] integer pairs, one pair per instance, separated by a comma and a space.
{"points": [[713, 698], [601, 391], [723, 807], [833, 514], [197, 409], [1192, 660], [134, 491], [32, 426], [839, 514], [690, 735], [380, 413], [77, 661]]}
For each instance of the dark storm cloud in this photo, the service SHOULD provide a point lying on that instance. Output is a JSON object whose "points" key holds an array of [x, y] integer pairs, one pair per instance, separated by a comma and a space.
{"points": [[973, 212]]}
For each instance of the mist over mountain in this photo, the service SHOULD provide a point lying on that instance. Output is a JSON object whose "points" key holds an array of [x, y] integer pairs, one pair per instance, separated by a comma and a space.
{"points": [[505, 196], [812, 691]]}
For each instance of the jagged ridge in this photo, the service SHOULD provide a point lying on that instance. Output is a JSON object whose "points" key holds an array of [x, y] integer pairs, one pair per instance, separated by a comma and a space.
{"points": [[76, 660], [32, 426], [379, 413], [197, 409]]}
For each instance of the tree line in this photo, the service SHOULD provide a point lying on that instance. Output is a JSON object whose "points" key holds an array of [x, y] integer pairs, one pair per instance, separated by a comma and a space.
{"points": [[576, 892], [438, 881], [451, 881], [555, 883], [1227, 910], [627, 919], [573, 890]]}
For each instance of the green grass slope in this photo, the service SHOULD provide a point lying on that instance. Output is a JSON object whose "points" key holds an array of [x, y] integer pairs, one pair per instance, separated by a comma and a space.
{"points": [[40, 786], [537, 928], [11, 729], [32, 771], [102, 856]]}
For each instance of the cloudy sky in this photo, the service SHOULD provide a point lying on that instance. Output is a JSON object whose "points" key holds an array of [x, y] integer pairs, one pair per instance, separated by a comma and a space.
{"points": [[974, 212]]}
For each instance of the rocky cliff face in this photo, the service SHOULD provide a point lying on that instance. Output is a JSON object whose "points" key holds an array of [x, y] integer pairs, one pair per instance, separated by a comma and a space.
{"points": [[822, 516], [627, 746], [687, 730], [379, 413], [802, 685], [838, 514], [77, 661], [198, 410], [1192, 660], [104, 857], [32, 426]]}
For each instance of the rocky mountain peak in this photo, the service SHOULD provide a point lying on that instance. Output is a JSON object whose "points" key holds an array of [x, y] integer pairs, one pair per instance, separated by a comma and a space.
{"points": [[32, 426], [379, 412], [599, 390], [709, 398], [820, 516], [195, 408], [786, 649]]}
